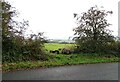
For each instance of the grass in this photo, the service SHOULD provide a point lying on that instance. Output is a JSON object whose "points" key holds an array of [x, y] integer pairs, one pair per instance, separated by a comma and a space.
{"points": [[54, 46], [59, 60]]}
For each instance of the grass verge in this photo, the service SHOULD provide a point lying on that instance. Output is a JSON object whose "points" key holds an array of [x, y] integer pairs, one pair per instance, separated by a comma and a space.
{"points": [[59, 60]]}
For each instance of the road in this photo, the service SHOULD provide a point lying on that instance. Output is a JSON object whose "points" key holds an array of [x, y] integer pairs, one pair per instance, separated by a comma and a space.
{"points": [[101, 71]]}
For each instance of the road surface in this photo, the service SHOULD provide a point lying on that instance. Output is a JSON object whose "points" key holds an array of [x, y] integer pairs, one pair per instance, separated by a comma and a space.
{"points": [[101, 71]]}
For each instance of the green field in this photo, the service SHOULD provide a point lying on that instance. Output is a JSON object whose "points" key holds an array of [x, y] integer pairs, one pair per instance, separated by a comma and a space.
{"points": [[55, 46]]}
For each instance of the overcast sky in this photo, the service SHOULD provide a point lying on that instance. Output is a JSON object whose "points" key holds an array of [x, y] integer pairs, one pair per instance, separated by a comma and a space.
{"points": [[55, 17]]}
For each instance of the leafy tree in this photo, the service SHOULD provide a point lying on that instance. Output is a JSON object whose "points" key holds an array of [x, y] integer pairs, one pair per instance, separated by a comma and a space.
{"points": [[15, 46], [91, 32], [12, 31]]}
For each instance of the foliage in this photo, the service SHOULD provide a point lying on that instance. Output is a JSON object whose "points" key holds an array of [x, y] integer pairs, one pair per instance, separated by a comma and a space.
{"points": [[15, 46], [114, 48], [92, 35]]}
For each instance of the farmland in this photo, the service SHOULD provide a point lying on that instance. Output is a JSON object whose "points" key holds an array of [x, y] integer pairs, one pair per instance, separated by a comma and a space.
{"points": [[54, 46]]}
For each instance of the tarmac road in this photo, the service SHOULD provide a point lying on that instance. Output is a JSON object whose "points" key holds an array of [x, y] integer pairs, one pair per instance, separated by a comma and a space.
{"points": [[101, 71]]}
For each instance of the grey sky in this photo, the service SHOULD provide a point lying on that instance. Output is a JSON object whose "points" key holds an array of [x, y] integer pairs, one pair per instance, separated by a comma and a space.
{"points": [[55, 17]]}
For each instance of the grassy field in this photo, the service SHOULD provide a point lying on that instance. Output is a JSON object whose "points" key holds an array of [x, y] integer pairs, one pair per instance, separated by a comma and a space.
{"points": [[60, 59], [54, 46]]}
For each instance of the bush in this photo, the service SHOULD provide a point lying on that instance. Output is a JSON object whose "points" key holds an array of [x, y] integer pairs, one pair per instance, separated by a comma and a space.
{"points": [[28, 49], [115, 48], [110, 48]]}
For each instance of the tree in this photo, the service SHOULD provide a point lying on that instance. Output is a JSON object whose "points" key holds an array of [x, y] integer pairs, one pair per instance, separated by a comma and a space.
{"points": [[92, 34], [12, 31], [15, 46]]}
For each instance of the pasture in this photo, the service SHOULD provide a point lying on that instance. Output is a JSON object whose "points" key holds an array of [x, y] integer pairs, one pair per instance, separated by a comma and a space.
{"points": [[55, 46]]}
